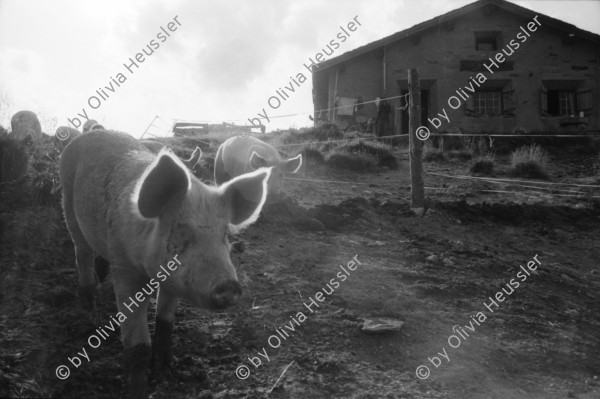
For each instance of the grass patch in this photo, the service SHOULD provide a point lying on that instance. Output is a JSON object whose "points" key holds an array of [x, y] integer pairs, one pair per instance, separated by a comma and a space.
{"points": [[311, 154], [483, 165], [463, 148], [529, 162], [451, 147], [433, 154], [461, 155]]}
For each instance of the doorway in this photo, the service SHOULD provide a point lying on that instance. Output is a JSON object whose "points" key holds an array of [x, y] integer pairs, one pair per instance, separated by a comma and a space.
{"points": [[424, 110]]}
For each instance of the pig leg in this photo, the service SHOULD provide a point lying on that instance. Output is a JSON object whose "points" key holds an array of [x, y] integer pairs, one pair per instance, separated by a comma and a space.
{"points": [[134, 330], [162, 344], [84, 255], [87, 279]]}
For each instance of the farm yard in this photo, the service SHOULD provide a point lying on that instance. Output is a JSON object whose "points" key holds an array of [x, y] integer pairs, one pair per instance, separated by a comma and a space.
{"points": [[437, 275], [397, 201]]}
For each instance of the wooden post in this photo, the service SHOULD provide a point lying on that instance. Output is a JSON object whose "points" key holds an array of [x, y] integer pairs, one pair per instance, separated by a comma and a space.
{"points": [[417, 203]]}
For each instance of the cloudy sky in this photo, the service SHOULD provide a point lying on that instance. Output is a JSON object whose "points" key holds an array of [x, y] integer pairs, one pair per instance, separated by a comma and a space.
{"points": [[221, 64]]}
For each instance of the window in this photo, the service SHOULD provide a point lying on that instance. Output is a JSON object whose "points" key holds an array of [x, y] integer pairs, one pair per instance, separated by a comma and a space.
{"points": [[565, 98], [495, 98], [487, 102], [561, 102], [487, 41]]}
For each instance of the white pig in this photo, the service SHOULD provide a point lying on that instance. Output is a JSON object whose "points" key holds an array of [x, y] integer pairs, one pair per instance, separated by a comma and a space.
{"points": [[243, 154], [141, 211]]}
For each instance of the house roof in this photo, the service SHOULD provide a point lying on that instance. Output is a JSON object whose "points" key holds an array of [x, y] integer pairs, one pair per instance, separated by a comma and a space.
{"points": [[469, 8]]}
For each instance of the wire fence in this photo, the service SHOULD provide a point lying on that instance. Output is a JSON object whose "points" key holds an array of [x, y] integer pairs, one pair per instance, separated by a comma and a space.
{"points": [[160, 128], [546, 187]]}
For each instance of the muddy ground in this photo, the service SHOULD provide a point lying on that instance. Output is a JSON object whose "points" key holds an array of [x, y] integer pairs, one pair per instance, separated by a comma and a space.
{"points": [[432, 273]]}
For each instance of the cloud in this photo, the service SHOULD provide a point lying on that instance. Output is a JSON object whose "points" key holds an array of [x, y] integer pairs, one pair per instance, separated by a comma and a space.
{"points": [[223, 63]]}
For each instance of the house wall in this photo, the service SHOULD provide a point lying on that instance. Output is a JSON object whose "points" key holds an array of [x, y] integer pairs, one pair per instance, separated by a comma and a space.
{"points": [[363, 77], [437, 52]]}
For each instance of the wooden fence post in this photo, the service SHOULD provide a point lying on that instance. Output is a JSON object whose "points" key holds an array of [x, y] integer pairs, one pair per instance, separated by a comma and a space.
{"points": [[417, 203]]}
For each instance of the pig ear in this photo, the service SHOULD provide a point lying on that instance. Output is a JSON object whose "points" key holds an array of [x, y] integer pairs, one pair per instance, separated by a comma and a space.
{"points": [[293, 164], [256, 161], [164, 182], [246, 195], [194, 159]]}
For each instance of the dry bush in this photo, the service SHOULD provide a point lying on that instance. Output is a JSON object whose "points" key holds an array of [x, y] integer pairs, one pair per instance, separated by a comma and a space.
{"points": [[45, 188], [361, 156], [529, 162], [13, 158], [324, 132], [382, 153], [29, 227], [531, 153], [344, 159], [484, 165], [311, 153]]}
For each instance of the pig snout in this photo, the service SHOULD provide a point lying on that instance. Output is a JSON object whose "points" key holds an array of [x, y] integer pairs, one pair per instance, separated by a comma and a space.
{"points": [[226, 294]]}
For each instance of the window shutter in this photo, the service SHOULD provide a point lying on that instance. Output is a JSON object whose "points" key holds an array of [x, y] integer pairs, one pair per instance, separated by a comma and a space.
{"points": [[543, 101], [470, 106], [584, 100], [508, 102]]}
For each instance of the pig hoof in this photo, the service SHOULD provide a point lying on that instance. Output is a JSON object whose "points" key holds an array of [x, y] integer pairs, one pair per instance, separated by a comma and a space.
{"points": [[137, 360], [102, 268], [161, 366], [162, 356], [238, 247]]}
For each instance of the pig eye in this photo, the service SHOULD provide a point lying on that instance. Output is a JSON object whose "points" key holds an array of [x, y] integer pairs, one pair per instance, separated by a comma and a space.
{"points": [[180, 237]]}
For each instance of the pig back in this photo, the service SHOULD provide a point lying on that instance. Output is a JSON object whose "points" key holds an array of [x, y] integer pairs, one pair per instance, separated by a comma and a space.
{"points": [[98, 172]]}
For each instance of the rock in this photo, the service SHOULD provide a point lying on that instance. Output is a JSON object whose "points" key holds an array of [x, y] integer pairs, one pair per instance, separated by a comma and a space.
{"points": [[381, 325], [64, 135], [418, 211], [25, 124], [431, 258], [448, 262], [87, 126]]}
